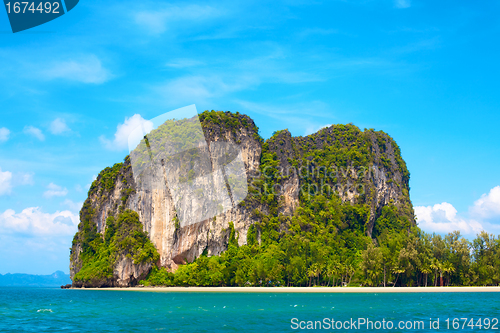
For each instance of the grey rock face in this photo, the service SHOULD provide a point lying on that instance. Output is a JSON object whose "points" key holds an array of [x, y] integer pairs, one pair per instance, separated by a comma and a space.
{"points": [[157, 208]]}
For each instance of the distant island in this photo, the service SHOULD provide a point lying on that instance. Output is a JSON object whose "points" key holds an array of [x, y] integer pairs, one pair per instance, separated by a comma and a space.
{"points": [[329, 209], [55, 279]]}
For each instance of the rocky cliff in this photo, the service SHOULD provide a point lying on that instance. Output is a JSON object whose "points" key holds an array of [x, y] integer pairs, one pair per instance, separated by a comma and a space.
{"points": [[357, 166]]}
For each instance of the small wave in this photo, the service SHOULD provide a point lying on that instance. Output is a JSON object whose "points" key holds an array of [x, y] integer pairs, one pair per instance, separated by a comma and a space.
{"points": [[44, 310]]}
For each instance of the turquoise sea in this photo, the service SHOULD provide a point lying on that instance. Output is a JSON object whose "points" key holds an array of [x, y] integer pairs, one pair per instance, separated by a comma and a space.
{"points": [[56, 310]]}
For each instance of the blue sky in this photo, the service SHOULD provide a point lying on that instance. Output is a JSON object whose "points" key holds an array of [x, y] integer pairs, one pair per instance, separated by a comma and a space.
{"points": [[425, 72]]}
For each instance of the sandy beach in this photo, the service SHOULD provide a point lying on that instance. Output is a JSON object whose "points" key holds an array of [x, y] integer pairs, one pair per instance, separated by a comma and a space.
{"points": [[306, 289]]}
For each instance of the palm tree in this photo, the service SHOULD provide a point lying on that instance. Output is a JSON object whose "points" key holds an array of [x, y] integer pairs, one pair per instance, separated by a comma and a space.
{"points": [[426, 270], [448, 268], [350, 272], [440, 267], [313, 272], [398, 271], [316, 270], [435, 266], [331, 271]]}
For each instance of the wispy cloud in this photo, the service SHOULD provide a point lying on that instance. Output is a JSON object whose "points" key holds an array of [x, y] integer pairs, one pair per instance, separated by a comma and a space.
{"points": [[22, 178], [58, 126], [159, 21], [123, 131], [35, 132], [314, 129], [226, 77], [402, 3], [5, 182], [278, 111], [199, 89], [274, 66], [9, 180], [86, 69], [4, 134], [73, 206], [184, 63], [293, 116], [54, 190]]}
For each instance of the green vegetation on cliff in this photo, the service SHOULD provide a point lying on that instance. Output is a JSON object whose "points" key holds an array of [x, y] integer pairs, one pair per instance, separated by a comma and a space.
{"points": [[214, 121], [123, 237], [107, 178]]}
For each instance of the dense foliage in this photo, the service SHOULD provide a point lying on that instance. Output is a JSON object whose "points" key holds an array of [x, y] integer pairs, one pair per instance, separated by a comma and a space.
{"points": [[123, 237], [214, 121], [406, 258], [107, 178]]}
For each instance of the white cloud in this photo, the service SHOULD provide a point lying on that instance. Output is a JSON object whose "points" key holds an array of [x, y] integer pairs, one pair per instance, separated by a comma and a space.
{"points": [[58, 126], [33, 131], [443, 218], [488, 206], [402, 3], [73, 206], [4, 134], [54, 190], [8, 180], [484, 214], [123, 131], [5, 182], [157, 22], [86, 70], [32, 221]]}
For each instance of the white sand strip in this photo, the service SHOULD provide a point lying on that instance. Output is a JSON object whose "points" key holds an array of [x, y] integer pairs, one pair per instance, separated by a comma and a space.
{"points": [[307, 289]]}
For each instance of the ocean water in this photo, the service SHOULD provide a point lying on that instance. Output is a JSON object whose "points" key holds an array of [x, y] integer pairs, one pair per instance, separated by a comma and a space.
{"points": [[56, 310]]}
